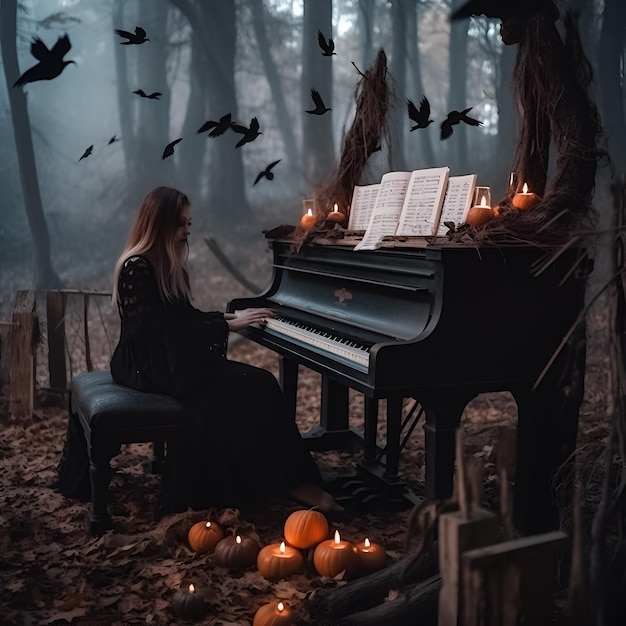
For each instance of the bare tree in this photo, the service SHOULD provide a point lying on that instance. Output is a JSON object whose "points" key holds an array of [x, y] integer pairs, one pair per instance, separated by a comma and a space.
{"points": [[45, 276], [398, 86]]}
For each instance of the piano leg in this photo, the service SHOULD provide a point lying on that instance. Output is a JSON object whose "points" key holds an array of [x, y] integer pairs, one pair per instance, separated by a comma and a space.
{"points": [[443, 414], [394, 423]]}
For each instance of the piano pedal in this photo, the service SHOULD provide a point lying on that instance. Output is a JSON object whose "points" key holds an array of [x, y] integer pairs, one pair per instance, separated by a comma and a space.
{"points": [[353, 484]]}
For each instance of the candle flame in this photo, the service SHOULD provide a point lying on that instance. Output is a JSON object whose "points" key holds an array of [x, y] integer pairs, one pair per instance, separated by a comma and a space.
{"points": [[337, 537], [208, 525], [525, 188], [281, 606], [282, 547], [192, 589], [237, 539], [309, 212], [483, 201], [367, 542], [336, 209]]}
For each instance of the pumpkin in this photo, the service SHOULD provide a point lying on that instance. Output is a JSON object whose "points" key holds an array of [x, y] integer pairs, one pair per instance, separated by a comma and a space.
{"points": [[204, 536], [273, 614], [188, 603], [237, 551], [279, 561], [333, 556], [305, 529], [371, 555]]}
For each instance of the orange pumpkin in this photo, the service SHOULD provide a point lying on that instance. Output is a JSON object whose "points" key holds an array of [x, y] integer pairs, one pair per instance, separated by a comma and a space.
{"points": [[333, 556], [273, 614], [237, 552], [204, 536], [305, 529], [279, 561]]}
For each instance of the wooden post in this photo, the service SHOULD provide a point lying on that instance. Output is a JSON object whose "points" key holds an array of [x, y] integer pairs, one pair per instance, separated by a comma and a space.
{"points": [[55, 315], [469, 527], [23, 355], [5, 351], [512, 583]]}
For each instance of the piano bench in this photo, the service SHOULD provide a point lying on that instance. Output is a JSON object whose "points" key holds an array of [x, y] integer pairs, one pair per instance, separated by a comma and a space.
{"points": [[111, 415]]}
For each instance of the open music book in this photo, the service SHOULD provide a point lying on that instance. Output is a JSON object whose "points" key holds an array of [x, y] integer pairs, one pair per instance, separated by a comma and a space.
{"points": [[413, 203]]}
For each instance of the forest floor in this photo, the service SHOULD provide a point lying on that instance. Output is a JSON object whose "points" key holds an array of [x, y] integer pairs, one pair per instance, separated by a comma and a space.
{"points": [[52, 571]]}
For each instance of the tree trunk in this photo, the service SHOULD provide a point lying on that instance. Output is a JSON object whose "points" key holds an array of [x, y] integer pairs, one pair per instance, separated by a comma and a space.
{"points": [[285, 123], [397, 66], [367, 15], [123, 89], [610, 79], [216, 27], [457, 94], [420, 148], [317, 132], [45, 276]]}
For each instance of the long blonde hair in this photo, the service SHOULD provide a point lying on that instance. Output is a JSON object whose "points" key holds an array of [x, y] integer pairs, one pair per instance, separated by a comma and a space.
{"points": [[153, 235]]}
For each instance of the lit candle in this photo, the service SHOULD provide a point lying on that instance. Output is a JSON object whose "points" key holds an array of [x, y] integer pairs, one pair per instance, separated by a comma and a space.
{"points": [[480, 213], [279, 560], [275, 613], [334, 556], [188, 603], [336, 215], [308, 220], [372, 555], [525, 200], [237, 552]]}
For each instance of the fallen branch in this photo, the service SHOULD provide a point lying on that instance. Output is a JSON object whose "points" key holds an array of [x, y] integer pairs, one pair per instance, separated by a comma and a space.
{"points": [[225, 261]]}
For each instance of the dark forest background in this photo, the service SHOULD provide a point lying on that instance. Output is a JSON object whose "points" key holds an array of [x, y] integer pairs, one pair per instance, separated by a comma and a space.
{"points": [[64, 219]]}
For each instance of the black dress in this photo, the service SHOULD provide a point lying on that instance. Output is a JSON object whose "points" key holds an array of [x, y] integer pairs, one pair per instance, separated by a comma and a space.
{"points": [[239, 447]]}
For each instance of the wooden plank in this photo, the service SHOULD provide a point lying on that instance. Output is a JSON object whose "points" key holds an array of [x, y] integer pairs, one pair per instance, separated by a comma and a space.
{"points": [[23, 355], [512, 583], [55, 313]]}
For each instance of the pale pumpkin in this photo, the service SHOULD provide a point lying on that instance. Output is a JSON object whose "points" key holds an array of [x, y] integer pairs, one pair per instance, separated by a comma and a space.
{"points": [[305, 529], [237, 551], [204, 536]]}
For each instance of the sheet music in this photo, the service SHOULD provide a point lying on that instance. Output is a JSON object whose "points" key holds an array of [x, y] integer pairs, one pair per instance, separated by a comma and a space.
{"points": [[457, 202], [362, 206], [387, 209], [424, 199]]}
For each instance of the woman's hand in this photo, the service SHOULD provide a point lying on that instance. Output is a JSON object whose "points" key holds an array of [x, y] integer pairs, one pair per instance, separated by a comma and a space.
{"points": [[247, 317]]}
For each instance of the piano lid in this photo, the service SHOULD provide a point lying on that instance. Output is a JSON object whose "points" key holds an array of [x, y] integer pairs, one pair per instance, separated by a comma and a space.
{"points": [[389, 294]]}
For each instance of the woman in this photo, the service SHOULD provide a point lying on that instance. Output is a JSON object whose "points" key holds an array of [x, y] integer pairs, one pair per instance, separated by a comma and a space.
{"points": [[239, 446]]}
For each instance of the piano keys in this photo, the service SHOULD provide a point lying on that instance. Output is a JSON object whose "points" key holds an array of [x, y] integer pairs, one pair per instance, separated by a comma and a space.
{"points": [[439, 324]]}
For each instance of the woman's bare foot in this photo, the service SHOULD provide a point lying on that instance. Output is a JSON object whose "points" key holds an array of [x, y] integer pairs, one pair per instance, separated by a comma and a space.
{"points": [[314, 496]]}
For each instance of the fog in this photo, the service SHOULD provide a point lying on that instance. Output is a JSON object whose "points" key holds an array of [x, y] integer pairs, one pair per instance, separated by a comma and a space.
{"points": [[88, 203]]}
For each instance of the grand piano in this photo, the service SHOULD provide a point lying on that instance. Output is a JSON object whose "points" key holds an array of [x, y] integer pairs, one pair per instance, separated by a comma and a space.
{"points": [[440, 324]]}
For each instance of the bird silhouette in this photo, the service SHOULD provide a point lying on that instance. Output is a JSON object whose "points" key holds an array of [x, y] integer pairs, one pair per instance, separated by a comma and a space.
{"points": [[112, 140], [320, 107], [420, 116], [138, 37], [249, 134], [455, 117], [169, 149], [51, 62], [267, 173], [86, 153], [505, 9], [219, 128], [155, 95], [327, 47]]}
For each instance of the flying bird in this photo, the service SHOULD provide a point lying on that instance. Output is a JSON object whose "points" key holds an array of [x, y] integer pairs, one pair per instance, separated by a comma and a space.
{"points": [[267, 173], [86, 153], [320, 107], [219, 128], [505, 9], [112, 140], [155, 95], [420, 116], [327, 47], [138, 37], [169, 149], [51, 62], [249, 134], [455, 117]]}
